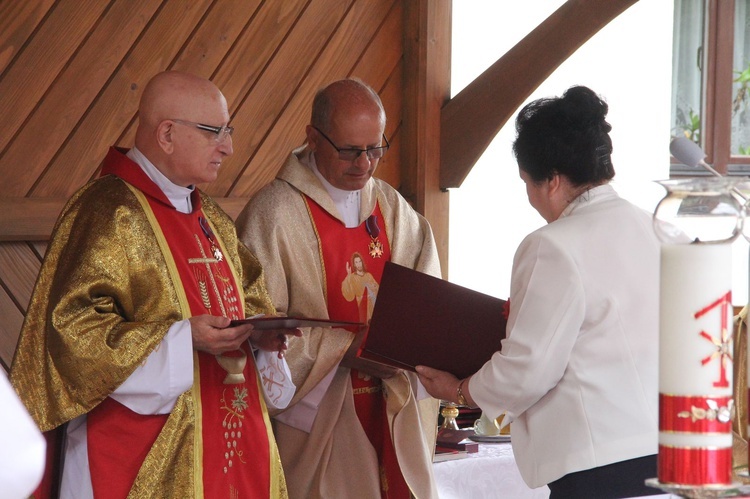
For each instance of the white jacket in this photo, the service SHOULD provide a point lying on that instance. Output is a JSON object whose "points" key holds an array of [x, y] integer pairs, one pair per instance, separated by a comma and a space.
{"points": [[579, 368]]}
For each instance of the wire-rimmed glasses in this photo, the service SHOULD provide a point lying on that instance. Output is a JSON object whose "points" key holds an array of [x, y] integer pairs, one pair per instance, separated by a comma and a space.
{"points": [[352, 153], [222, 132]]}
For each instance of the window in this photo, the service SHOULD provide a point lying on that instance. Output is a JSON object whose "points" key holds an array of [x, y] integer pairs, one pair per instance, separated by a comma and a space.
{"points": [[711, 82]]}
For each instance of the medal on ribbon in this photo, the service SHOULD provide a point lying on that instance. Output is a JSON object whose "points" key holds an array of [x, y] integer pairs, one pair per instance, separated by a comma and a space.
{"points": [[211, 239], [375, 248]]}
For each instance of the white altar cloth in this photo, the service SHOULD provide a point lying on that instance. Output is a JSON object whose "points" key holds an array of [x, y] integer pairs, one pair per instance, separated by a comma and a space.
{"points": [[488, 474]]}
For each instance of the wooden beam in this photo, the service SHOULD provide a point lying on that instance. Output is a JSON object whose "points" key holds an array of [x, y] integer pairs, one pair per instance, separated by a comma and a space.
{"points": [[472, 118], [427, 56], [32, 219]]}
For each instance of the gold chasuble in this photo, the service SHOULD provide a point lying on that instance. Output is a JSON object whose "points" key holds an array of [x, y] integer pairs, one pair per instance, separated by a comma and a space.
{"points": [[164, 266], [353, 262]]}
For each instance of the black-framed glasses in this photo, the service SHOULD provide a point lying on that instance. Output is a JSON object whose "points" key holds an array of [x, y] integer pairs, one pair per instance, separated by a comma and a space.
{"points": [[222, 132], [351, 153]]}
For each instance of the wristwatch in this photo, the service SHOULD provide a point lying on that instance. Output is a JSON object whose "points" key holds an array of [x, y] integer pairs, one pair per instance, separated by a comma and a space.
{"points": [[460, 393]]}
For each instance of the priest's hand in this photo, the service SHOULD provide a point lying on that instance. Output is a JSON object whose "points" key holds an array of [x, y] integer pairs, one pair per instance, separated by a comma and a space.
{"points": [[374, 369], [211, 334], [445, 386], [273, 340]]}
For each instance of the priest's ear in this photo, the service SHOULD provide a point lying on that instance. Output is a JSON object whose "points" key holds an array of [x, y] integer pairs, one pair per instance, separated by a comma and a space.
{"points": [[165, 136], [312, 137]]}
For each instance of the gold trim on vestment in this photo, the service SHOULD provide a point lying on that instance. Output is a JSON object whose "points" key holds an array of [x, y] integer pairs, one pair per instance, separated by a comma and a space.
{"points": [[320, 247], [162, 241], [198, 431], [185, 310]]}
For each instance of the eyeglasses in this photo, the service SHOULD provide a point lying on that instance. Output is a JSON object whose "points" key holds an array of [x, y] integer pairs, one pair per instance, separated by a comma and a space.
{"points": [[222, 132], [351, 154]]}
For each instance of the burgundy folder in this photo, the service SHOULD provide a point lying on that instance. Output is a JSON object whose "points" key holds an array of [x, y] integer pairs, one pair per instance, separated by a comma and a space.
{"points": [[262, 323], [423, 320]]}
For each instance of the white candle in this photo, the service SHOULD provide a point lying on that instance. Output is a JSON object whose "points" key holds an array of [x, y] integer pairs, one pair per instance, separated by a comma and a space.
{"points": [[695, 364], [693, 277]]}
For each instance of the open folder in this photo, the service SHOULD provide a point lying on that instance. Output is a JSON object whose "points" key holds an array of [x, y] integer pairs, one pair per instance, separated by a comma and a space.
{"points": [[423, 320]]}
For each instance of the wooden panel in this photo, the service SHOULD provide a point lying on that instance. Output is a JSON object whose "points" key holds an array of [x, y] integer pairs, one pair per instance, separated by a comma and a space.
{"points": [[24, 84], [427, 44], [254, 49], [381, 61], [19, 267], [385, 50], [10, 327], [25, 219], [118, 102], [18, 20], [70, 96], [335, 61], [389, 168], [270, 96], [39, 248]]}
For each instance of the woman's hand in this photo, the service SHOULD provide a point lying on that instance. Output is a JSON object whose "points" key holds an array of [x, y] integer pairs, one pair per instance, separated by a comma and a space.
{"points": [[443, 385], [439, 384]]}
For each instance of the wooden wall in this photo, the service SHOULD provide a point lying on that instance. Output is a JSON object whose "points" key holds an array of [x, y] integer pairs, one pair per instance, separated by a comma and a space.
{"points": [[71, 73]]}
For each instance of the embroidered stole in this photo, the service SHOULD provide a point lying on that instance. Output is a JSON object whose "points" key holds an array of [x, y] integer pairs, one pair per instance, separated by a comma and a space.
{"points": [[232, 430], [352, 267]]}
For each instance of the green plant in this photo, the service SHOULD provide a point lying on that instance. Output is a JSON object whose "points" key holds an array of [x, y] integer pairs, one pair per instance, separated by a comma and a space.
{"points": [[692, 129], [743, 78]]}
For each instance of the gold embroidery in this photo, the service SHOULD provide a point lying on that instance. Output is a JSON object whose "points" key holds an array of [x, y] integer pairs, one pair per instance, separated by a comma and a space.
{"points": [[202, 288], [211, 275], [232, 425], [234, 366], [229, 296], [202, 260], [383, 479], [366, 389]]}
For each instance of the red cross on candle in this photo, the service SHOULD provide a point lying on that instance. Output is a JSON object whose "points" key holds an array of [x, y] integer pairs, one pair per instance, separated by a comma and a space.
{"points": [[722, 344]]}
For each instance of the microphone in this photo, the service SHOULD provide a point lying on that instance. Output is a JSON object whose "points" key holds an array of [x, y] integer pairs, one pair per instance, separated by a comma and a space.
{"points": [[691, 154]]}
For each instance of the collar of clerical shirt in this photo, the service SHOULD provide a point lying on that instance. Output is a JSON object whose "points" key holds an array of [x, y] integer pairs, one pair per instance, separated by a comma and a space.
{"points": [[347, 202], [179, 196]]}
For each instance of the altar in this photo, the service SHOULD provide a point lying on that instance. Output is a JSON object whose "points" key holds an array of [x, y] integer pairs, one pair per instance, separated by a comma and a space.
{"points": [[488, 474]]}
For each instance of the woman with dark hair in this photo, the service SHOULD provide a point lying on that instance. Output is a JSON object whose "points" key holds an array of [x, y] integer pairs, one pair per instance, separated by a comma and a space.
{"points": [[578, 371]]}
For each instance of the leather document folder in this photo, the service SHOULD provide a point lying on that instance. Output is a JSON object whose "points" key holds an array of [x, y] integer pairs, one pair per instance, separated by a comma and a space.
{"points": [[423, 320], [262, 323]]}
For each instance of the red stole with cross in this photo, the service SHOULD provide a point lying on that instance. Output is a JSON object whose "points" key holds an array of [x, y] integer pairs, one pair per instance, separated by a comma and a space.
{"points": [[353, 262], [232, 445]]}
